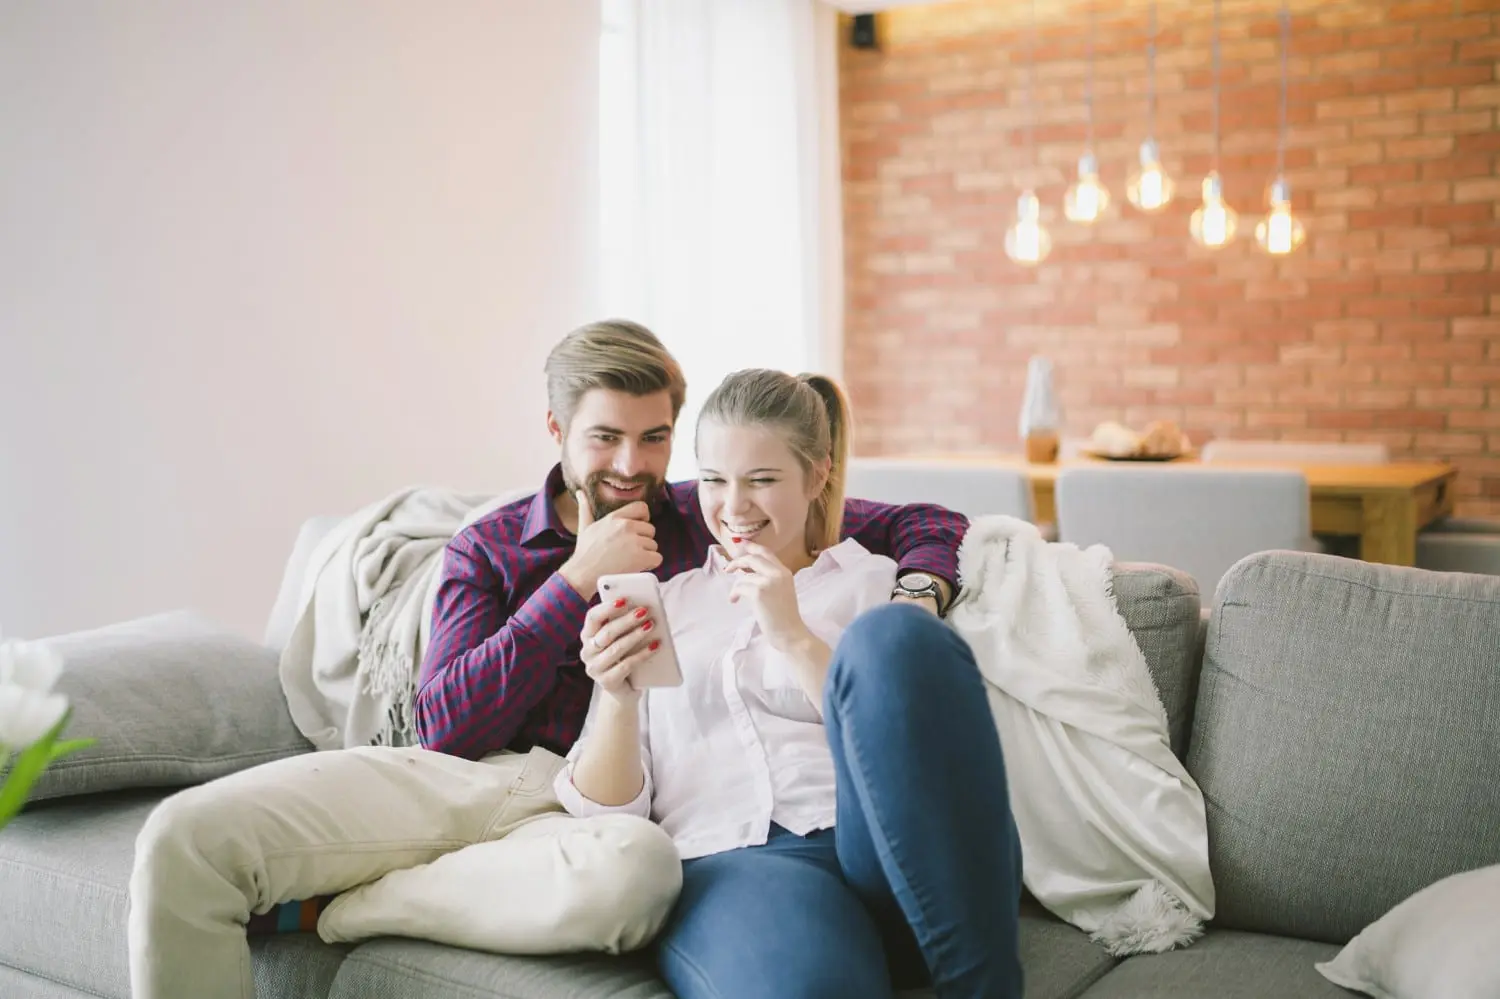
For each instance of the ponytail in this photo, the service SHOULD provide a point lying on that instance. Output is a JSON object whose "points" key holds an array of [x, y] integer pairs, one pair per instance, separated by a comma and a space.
{"points": [[811, 413], [826, 525]]}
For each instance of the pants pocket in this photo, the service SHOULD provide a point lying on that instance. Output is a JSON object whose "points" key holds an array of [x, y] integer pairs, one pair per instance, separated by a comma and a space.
{"points": [[530, 795]]}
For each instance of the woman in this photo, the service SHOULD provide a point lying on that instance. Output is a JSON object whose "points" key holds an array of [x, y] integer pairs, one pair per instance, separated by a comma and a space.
{"points": [[829, 770]]}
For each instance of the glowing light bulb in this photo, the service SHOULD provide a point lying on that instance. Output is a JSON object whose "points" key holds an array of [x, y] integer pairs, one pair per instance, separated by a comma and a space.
{"points": [[1026, 242], [1214, 223], [1087, 199], [1150, 188], [1280, 232]]}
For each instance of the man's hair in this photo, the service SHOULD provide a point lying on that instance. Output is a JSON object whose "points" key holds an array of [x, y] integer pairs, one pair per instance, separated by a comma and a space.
{"points": [[612, 354]]}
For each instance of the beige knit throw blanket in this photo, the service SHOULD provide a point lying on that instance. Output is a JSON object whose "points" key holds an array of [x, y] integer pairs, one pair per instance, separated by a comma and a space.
{"points": [[364, 614]]}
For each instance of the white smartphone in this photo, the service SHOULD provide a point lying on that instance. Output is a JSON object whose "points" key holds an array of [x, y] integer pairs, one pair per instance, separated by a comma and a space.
{"points": [[660, 668]]}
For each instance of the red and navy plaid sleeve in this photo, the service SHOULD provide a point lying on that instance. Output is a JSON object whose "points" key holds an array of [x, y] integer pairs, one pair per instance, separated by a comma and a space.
{"points": [[919, 536], [491, 662]]}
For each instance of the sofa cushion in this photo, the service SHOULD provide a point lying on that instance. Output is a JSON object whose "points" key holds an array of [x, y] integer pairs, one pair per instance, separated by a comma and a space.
{"points": [[415, 969], [1060, 963], [172, 700], [1162, 608], [1346, 734], [1224, 964], [65, 868], [19, 983], [64, 875]]}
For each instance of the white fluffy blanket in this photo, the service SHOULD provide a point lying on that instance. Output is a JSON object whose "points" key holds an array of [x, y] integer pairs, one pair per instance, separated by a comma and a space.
{"points": [[1113, 829], [349, 667]]}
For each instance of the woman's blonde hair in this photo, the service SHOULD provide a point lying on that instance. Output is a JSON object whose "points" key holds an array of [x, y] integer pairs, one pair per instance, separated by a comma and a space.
{"points": [[613, 354], [811, 413]]}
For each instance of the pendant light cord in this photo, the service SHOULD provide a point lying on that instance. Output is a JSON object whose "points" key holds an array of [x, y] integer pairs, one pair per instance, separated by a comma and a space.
{"points": [[1216, 86], [1151, 77], [1286, 27], [1030, 99], [1088, 99]]}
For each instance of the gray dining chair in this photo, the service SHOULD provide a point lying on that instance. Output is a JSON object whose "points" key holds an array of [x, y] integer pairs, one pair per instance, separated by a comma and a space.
{"points": [[972, 490], [1311, 452], [1199, 519], [1459, 551], [1463, 525]]}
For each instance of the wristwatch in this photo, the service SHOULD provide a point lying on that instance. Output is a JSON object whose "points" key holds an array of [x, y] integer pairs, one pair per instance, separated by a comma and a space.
{"points": [[917, 585]]}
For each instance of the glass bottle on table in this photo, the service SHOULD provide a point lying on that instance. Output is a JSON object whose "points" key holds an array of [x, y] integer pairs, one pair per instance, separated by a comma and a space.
{"points": [[1041, 416]]}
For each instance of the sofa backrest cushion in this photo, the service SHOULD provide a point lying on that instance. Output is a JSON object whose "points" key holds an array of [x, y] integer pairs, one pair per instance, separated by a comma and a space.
{"points": [[1161, 607], [1346, 738]]}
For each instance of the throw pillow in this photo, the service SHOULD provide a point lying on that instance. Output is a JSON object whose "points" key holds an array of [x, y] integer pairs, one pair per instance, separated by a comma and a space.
{"points": [[172, 700], [1438, 944]]}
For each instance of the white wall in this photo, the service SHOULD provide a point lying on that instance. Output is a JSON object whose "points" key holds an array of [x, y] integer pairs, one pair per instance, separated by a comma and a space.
{"points": [[264, 260]]}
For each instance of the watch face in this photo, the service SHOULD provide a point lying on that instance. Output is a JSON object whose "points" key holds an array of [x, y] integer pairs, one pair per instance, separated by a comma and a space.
{"points": [[916, 581]]}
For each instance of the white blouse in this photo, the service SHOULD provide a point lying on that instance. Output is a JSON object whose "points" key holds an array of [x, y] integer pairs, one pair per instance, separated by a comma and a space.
{"points": [[739, 745]]}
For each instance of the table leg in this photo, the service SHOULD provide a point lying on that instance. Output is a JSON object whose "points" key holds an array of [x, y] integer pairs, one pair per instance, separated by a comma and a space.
{"points": [[1043, 502], [1389, 529]]}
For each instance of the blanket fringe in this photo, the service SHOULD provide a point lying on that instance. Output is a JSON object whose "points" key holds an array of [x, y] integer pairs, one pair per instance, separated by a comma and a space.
{"points": [[388, 674], [1151, 921]]}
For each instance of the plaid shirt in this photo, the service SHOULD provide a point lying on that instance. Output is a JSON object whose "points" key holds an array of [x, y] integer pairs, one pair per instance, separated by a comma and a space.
{"points": [[502, 669]]}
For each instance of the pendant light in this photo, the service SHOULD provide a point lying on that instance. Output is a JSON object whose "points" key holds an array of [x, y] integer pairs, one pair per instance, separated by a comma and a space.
{"points": [[1087, 199], [1150, 188], [1213, 224], [1026, 242], [1281, 232]]}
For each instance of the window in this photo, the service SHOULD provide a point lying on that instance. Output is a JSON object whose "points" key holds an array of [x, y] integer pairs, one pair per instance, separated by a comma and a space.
{"points": [[622, 276]]}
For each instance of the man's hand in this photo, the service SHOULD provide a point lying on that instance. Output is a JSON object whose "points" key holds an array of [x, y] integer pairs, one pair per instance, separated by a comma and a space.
{"points": [[623, 540]]}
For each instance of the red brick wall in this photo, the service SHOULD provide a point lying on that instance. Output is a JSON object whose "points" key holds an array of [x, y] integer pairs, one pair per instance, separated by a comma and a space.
{"points": [[1385, 326]]}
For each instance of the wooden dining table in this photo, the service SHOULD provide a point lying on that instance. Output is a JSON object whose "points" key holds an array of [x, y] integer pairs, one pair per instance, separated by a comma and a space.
{"points": [[1384, 505]]}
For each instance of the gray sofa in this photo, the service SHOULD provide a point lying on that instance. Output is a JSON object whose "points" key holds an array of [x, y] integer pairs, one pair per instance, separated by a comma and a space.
{"points": [[1342, 719]]}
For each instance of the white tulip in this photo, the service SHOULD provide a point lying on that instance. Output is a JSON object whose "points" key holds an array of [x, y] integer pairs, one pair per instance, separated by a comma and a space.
{"points": [[28, 707]]}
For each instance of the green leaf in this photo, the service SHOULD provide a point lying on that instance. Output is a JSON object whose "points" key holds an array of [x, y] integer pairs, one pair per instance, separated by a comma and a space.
{"points": [[67, 746], [27, 766]]}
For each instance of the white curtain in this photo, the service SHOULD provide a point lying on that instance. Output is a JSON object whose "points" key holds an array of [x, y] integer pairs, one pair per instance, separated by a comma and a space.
{"points": [[720, 185]]}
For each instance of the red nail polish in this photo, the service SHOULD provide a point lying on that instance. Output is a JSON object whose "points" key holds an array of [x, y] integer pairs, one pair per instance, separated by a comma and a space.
{"points": [[736, 540], [655, 645], [641, 612], [647, 625], [619, 603]]}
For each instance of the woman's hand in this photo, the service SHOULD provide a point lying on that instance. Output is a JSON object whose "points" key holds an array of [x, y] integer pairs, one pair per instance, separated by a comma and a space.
{"points": [[772, 593], [616, 637]]}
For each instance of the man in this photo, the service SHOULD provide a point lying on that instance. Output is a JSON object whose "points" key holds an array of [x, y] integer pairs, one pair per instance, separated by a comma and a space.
{"points": [[423, 842]]}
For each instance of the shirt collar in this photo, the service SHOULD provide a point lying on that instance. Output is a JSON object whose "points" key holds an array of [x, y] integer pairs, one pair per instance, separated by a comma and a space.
{"points": [[846, 554], [542, 517]]}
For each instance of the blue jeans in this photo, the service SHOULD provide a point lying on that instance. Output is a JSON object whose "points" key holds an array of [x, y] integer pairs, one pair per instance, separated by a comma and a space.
{"points": [[919, 881]]}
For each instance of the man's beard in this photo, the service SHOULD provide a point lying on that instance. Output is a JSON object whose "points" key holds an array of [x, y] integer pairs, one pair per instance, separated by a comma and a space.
{"points": [[601, 505]]}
